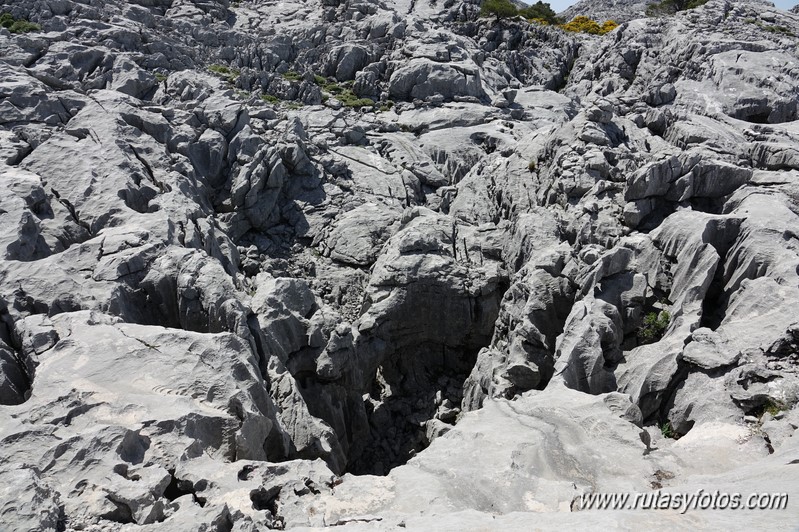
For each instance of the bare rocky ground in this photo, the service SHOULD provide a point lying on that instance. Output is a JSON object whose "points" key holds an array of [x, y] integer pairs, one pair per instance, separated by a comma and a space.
{"points": [[220, 311]]}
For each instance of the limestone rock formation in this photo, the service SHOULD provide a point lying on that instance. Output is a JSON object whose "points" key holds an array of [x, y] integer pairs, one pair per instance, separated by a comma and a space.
{"points": [[376, 265], [617, 10]]}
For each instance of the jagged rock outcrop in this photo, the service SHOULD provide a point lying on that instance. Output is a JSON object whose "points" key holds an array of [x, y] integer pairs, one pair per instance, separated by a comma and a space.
{"points": [[617, 10], [377, 265]]}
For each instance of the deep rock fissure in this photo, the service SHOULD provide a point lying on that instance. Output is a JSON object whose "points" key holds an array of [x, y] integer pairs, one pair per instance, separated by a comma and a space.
{"points": [[415, 398]]}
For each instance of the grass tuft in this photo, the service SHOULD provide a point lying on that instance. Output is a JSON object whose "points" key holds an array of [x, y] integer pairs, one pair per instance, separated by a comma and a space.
{"points": [[228, 73]]}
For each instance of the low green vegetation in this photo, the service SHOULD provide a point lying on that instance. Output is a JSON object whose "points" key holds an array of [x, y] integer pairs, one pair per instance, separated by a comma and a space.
{"points": [[771, 407], [669, 7], [292, 75], [782, 30], [654, 327], [15, 25], [342, 92], [160, 77], [228, 73], [666, 430], [328, 86], [275, 100], [349, 99]]}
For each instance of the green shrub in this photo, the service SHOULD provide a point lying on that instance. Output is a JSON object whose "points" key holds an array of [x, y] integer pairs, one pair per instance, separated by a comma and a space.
{"points": [[17, 25], [330, 86], [498, 8], [653, 327], [270, 98], [667, 431], [669, 7], [540, 12], [160, 77], [349, 99], [343, 94]]}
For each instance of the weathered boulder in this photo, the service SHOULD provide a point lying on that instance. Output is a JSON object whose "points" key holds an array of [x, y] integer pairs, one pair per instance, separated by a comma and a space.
{"points": [[423, 79], [358, 235]]}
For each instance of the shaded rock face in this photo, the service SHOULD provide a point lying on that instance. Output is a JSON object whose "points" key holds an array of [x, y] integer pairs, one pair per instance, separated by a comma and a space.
{"points": [[369, 265], [422, 353]]}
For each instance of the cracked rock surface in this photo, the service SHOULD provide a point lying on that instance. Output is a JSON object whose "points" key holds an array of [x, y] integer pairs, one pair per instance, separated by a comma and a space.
{"points": [[375, 265]]}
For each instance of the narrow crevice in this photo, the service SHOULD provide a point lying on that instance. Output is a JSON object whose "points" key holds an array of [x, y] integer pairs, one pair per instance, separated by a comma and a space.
{"points": [[260, 353], [25, 372], [664, 400], [268, 500], [149, 170], [34, 57], [72, 211], [714, 305], [23, 154], [178, 488], [560, 86], [120, 514], [769, 446], [61, 523]]}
